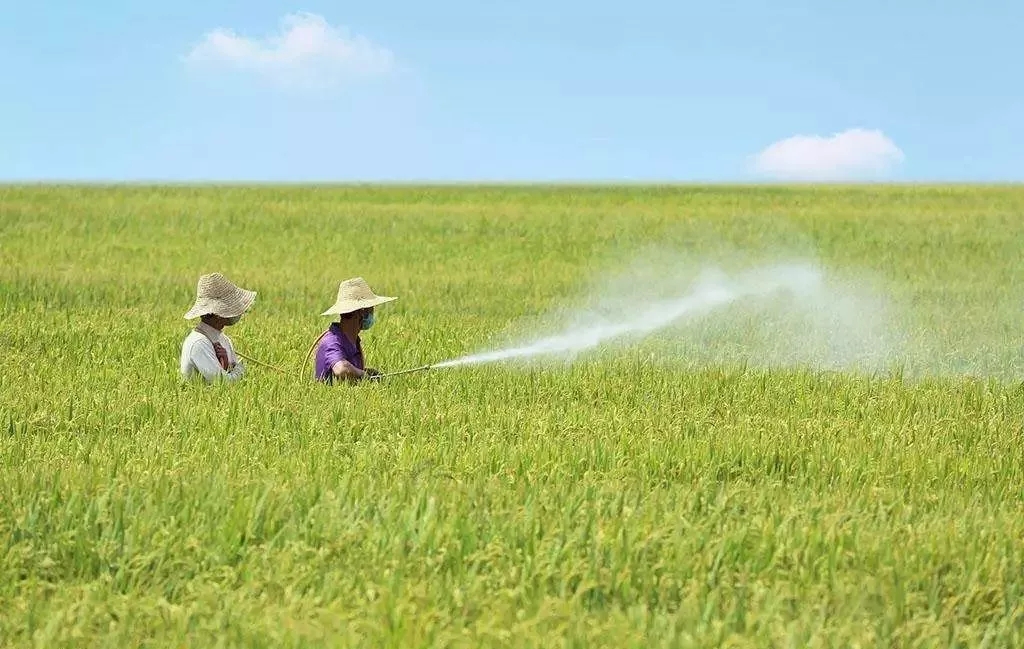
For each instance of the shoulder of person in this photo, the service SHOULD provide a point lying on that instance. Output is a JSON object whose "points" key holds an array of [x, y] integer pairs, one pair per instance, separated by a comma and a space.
{"points": [[195, 338], [328, 339]]}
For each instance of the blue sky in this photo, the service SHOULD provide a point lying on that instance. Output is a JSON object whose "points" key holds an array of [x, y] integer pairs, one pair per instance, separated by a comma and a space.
{"points": [[454, 90]]}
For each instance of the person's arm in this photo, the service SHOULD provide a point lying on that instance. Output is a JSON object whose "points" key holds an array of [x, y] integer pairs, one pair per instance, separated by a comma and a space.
{"points": [[237, 371], [342, 369], [205, 360]]}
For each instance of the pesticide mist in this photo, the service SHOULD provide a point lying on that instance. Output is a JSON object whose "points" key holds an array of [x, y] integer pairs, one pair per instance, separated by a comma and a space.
{"points": [[774, 314]]}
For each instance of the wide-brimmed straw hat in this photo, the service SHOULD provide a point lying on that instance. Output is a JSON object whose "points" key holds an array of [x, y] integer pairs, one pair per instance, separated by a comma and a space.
{"points": [[216, 295], [355, 294]]}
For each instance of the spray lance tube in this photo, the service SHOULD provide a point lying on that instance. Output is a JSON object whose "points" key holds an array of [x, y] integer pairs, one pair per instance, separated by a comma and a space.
{"points": [[253, 360], [409, 371]]}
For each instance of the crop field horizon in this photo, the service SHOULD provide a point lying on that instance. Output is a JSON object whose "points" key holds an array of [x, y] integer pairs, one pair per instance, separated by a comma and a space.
{"points": [[686, 416]]}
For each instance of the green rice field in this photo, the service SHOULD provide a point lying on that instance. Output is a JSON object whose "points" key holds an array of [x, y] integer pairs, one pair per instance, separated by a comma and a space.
{"points": [[729, 482]]}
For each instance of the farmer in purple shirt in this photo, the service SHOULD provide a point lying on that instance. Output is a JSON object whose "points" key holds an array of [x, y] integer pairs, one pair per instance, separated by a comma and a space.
{"points": [[339, 354]]}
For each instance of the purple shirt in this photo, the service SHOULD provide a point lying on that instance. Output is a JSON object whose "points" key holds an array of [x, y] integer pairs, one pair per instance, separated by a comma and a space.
{"points": [[334, 347]]}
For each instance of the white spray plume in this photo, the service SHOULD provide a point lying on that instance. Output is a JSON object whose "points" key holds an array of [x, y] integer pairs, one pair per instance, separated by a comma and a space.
{"points": [[806, 320]]}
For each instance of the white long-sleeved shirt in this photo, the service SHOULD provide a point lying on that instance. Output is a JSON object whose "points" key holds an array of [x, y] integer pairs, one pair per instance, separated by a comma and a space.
{"points": [[199, 357]]}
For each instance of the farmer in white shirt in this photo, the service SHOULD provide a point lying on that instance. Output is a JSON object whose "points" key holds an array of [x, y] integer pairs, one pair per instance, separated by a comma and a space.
{"points": [[207, 351]]}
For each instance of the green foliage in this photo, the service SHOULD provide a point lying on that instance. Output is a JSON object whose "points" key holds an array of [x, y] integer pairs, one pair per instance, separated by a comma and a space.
{"points": [[616, 502]]}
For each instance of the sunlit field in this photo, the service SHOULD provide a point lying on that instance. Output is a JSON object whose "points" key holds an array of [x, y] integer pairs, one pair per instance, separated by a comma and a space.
{"points": [[633, 498]]}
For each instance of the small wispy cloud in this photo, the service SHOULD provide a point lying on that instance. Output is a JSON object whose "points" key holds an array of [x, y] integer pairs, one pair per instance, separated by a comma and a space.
{"points": [[307, 51], [853, 153]]}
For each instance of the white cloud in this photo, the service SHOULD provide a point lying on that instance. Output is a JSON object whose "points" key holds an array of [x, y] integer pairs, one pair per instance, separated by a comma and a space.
{"points": [[308, 51], [850, 154]]}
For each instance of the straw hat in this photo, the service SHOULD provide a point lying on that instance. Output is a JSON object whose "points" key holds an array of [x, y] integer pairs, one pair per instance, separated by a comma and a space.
{"points": [[355, 294], [216, 295]]}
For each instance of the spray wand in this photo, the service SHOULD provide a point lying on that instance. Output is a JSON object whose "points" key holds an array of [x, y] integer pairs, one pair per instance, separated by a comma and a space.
{"points": [[409, 371]]}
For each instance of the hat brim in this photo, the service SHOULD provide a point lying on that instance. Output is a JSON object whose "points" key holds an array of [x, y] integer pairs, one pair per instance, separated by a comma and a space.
{"points": [[348, 306], [223, 308]]}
